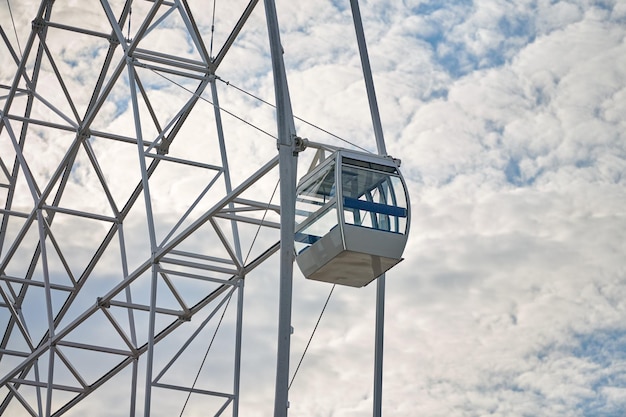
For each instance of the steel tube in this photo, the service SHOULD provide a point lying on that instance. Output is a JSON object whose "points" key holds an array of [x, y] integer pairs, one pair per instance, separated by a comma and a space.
{"points": [[380, 144]]}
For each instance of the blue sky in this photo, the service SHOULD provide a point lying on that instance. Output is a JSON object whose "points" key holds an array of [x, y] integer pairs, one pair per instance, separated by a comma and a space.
{"points": [[509, 121]]}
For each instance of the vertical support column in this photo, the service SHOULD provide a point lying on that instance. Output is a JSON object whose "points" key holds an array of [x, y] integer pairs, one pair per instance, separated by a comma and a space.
{"points": [[43, 14], [151, 233], [369, 80], [379, 347], [222, 143], [237, 373], [287, 157], [50, 314], [131, 323], [380, 144], [150, 353], [237, 244]]}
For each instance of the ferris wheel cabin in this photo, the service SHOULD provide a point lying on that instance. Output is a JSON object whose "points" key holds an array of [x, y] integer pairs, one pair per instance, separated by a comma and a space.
{"points": [[352, 219]]}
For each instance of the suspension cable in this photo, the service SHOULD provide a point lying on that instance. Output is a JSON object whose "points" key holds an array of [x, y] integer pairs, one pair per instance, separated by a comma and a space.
{"points": [[261, 224], [14, 28], [227, 303], [261, 100], [311, 338], [228, 83], [212, 31], [206, 354], [211, 103], [130, 15], [262, 219]]}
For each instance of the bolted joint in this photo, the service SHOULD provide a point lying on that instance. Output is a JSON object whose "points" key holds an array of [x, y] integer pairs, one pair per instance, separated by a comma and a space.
{"points": [[102, 303], [186, 316], [164, 147], [113, 40], [84, 134], [38, 25], [300, 144]]}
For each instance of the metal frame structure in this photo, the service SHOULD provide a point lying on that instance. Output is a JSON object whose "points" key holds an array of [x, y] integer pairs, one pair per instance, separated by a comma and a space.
{"points": [[178, 279]]}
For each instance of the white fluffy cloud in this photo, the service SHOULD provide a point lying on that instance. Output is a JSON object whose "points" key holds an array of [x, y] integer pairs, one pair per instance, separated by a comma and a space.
{"points": [[509, 120]]}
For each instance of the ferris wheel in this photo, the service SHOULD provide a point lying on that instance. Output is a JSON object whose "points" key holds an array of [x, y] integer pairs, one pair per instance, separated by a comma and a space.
{"points": [[136, 201]]}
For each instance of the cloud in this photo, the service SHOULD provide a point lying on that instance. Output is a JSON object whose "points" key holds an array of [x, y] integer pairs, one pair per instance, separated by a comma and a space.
{"points": [[508, 118]]}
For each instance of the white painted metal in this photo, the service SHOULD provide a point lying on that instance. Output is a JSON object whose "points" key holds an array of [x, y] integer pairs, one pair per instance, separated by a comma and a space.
{"points": [[353, 219], [44, 370], [382, 150], [288, 150], [52, 291]]}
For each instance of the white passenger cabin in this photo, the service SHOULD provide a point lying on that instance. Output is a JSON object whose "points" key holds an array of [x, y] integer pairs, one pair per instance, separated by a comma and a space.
{"points": [[352, 219]]}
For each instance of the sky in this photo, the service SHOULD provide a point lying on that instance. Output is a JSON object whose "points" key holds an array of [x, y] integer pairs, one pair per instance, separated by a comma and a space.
{"points": [[508, 118]]}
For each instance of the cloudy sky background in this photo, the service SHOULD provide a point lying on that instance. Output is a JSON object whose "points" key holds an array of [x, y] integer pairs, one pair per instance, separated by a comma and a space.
{"points": [[509, 121]]}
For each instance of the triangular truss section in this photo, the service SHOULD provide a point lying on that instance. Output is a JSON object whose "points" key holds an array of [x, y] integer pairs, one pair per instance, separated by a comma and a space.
{"points": [[126, 230]]}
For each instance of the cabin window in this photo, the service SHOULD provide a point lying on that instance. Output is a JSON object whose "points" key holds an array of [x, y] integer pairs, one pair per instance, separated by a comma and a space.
{"points": [[316, 208], [373, 199]]}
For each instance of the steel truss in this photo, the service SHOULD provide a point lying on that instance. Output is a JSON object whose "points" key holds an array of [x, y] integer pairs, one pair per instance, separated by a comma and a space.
{"points": [[161, 289]]}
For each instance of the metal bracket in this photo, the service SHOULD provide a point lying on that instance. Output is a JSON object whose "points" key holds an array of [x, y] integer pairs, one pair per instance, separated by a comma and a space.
{"points": [[164, 146], [113, 40], [300, 144], [102, 304], [84, 134], [38, 25]]}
